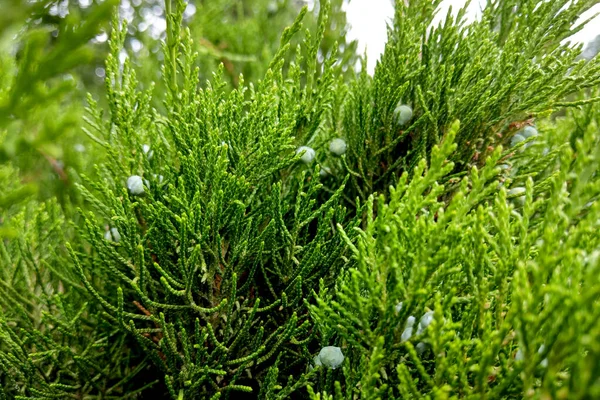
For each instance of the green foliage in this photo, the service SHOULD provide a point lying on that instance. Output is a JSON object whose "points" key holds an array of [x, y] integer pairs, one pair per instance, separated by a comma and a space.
{"points": [[442, 264], [241, 37], [215, 257], [248, 37], [54, 341], [40, 106], [494, 75], [46, 71], [498, 277]]}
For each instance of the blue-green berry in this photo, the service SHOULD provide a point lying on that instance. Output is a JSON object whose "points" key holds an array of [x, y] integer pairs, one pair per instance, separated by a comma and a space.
{"points": [[337, 146], [112, 235], [408, 329], [544, 362], [516, 140], [148, 151], [324, 171], [135, 184], [308, 154], [158, 178], [528, 132], [517, 194], [425, 321], [516, 191], [403, 114], [331, 357], [519, 355], [406, 334], [398, 307]]}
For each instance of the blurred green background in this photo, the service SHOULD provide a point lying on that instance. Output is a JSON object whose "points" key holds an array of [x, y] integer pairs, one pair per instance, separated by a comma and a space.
{"points": [[52, 55]]}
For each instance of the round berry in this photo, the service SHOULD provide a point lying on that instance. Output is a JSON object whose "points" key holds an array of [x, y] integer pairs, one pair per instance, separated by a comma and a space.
{"points": [[398, 307], [518, 195], [147, 151], [112, 235], [544, 362], [516, 191], [528, 132], [519, 355], [331, 356], [403, 114], [135, 184], [408, 329], [158, 178], [406, 334], [337, 146], [420, 347], [425, 321], [516, 140], [324, 171], [308, 154]]}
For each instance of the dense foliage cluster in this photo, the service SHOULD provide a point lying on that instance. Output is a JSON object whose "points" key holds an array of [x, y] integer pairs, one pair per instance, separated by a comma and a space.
{"points": [[238, 213]]}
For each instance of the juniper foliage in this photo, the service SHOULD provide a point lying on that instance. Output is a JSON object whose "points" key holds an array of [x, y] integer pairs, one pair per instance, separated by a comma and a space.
{"points": [[229, 264], [216, 255], [500, 278], [495, 75]]}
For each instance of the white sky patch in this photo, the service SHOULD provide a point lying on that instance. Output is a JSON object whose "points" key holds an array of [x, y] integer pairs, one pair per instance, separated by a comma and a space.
{"points": [[592, 29], [368, 19]]}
